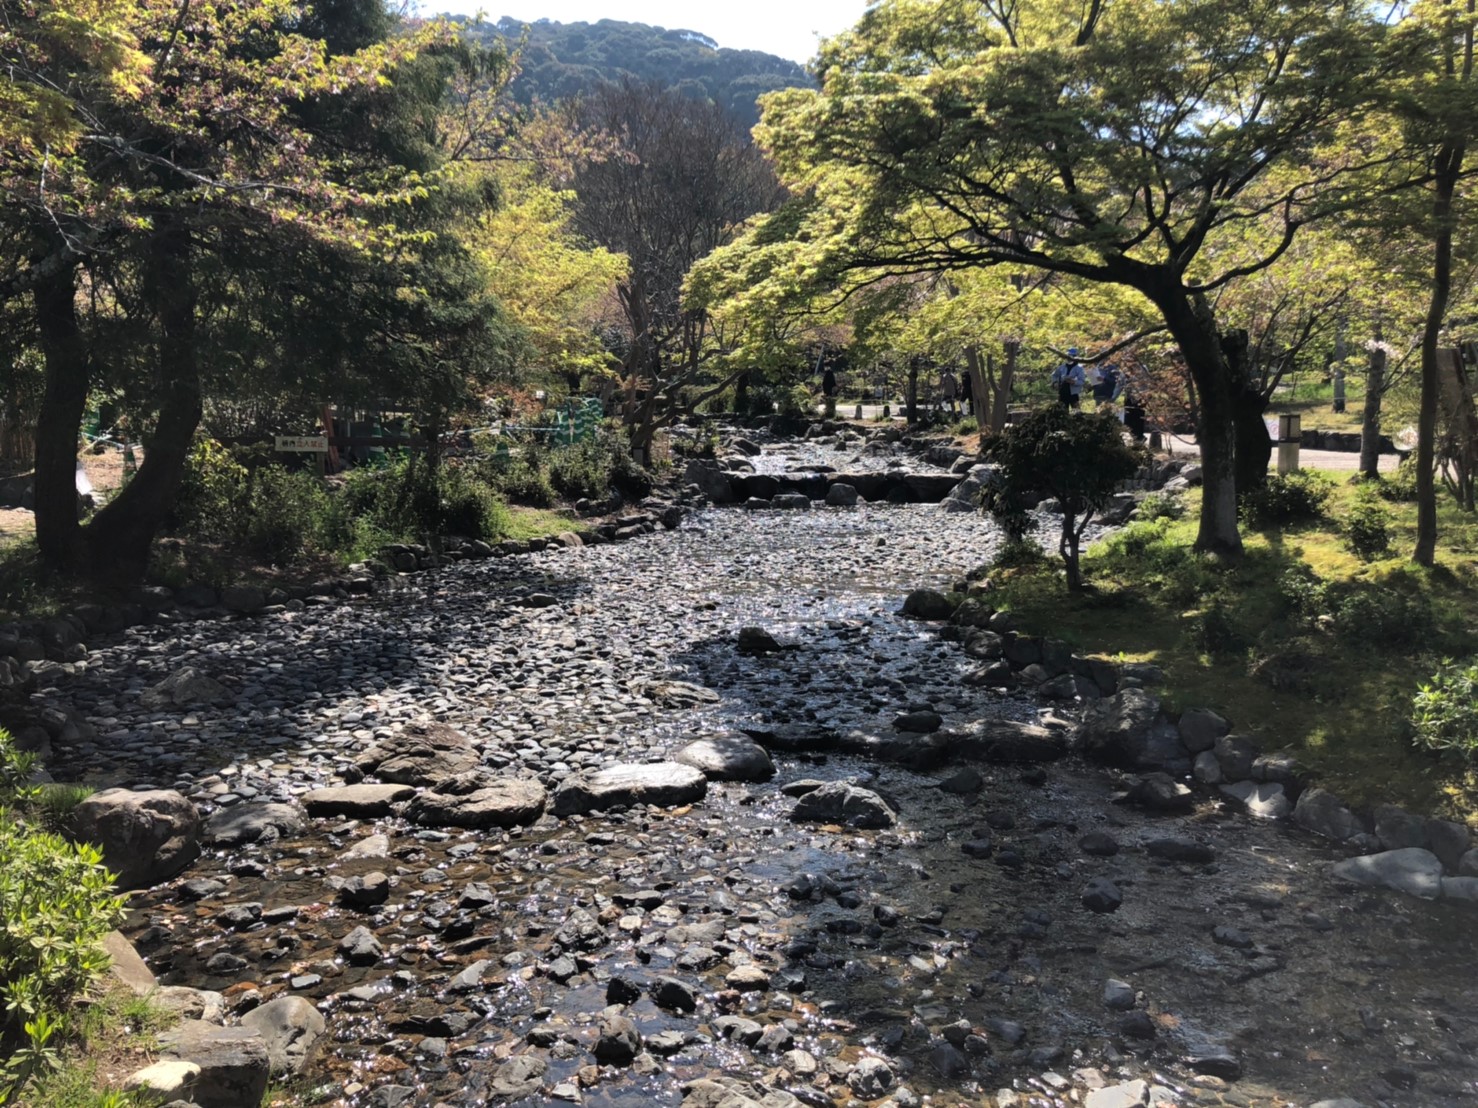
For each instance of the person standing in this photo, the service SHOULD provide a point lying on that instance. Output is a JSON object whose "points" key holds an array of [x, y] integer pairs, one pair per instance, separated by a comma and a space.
{"points": [[1106, 386], [949, 389], [1069, 380]]}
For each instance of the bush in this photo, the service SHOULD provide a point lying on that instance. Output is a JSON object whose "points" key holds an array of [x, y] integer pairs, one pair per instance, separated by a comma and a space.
{"points": [[212, 493], [1382, 617], [56, 905], [1213, 632], [285, 513], [1161, 505], [523, 482], [1401, 488], [1444, 712], [1304, 593], [1286, 498], [1367, 529]]}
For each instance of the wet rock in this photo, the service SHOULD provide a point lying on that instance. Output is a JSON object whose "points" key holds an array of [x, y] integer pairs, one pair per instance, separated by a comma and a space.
{"points": [[618, 1042], [1099, 843], [1009, 742], [1468, 864], [1206, 769], [422, 754], [710, 479], [1449, 841], [1127, 1094], [678, 694], [871, 1078], [1215, 1060], [1101, 895], [367, 891], [977, 848], [674, 995], [1200, 728], [840, 802], [1120, 730], [966, 782], [664, 784], [996, 675], [233, 1061], [1460, 888], [478, 800], [1179, 849], [1264, 800], [730, 1092], [249, 823], [145, 837], [356, 801], [1159, 792], [371, 846], [756, 640], [184, 688], [728, 758], [1235, 755], [791, 501], [922, 721], [1322, 813], [1338, 1102], [1118, 996], [1232, 937], [842, 495], [243, 598], [289, 1026], [522, 1076], [747, 979], [928, 604], [360, 947], [1413, 871], [1138, 1025]]}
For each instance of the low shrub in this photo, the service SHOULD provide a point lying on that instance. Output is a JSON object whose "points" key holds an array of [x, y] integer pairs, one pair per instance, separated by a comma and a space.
{"points": [[1161, 505], [1400, 488], [1444, 712], [1286, 498], [1382, 617], [1213, 631], [1367, 529], [56, 905]]}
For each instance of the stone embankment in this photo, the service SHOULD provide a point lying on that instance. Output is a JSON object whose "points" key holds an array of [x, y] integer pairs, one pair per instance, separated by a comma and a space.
{"points": [[719, 816]]}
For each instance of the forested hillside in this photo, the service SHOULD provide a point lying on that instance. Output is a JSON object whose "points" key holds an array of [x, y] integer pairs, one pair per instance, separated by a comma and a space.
{"points": [[563, 60]]}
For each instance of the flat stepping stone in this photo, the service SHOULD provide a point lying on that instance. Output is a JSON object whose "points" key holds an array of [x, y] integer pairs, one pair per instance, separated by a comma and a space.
{"points": [[1410, 870], [357, 801], [664, 784], [477, 800]]}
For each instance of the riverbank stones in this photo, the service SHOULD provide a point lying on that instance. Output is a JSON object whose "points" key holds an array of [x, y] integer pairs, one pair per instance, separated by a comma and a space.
{"points": [[356, 801], [728, 758], [145, 837], [841, 802]]}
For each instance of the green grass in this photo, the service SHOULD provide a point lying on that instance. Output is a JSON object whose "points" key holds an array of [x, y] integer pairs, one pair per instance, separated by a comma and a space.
{"points": [[538, 523], [1333, 687], [114, 1037]]}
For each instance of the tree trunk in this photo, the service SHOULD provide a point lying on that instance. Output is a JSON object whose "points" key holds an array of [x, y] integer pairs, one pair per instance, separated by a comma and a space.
{"points": [[1193, 327], [741, 393], [121, 536], [1449, 163], [911, 399], [1254, 446], [59, 421], [1375, 384], [1067, 546]]}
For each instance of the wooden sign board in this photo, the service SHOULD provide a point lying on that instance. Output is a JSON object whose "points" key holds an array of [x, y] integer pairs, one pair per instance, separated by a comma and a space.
{"points": [[301, 444]]}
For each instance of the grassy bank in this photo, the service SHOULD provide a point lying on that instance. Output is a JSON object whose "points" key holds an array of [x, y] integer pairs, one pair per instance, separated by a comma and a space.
{"points": [[1304, 645]]}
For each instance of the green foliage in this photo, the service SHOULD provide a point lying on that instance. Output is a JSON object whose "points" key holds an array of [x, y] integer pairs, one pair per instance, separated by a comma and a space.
{"points": [[1381, 617], [1019, 552], [56, 904], [1077, 458], [796, 402], [592, 468], [1367, 529], [409, 499], [1286, 498], [54, 802], [1401, 488], [967, 426], [1161, 505], [523, 482], [1213, 630], [1444, 712]]}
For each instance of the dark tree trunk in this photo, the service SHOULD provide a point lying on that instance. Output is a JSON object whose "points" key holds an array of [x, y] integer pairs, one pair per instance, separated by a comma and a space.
{"points": [[1254, 446], [1001, 400], [120, 537], [1375, 385], [911, 399], [1449, 167], [1193, 327], [58, 534], [741, 392]]}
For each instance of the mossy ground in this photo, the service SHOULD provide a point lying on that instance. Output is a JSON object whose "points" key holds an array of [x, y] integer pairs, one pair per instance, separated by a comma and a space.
{"points": [[1332, 691]]}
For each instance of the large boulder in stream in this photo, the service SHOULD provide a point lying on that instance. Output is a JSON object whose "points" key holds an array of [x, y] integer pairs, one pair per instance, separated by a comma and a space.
{"points": [[843, 802], [1126, 730], [664, 784], [479, 800], [146, 837], [728, 758], [424, 753]]}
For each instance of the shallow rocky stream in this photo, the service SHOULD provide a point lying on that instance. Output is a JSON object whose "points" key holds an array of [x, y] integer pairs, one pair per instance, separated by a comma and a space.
{"points": [[949, 960]]}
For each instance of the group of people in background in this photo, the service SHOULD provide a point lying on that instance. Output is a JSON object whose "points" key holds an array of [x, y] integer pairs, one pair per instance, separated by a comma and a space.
{"points": [[1104, 384]]}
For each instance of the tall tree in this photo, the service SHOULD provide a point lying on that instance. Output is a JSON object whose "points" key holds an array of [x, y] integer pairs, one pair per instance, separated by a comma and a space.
{"points": [[683, 178], [1118, 142]]}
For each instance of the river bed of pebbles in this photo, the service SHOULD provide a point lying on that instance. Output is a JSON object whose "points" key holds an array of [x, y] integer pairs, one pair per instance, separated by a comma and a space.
{"points": [[718, 953]]}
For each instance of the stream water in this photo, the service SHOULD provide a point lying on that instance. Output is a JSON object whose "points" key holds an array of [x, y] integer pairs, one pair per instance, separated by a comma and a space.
{"points": [[979, 980]]}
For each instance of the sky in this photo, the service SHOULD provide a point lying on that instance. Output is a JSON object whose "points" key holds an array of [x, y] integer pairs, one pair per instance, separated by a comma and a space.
{"points": [[785, 27]]}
